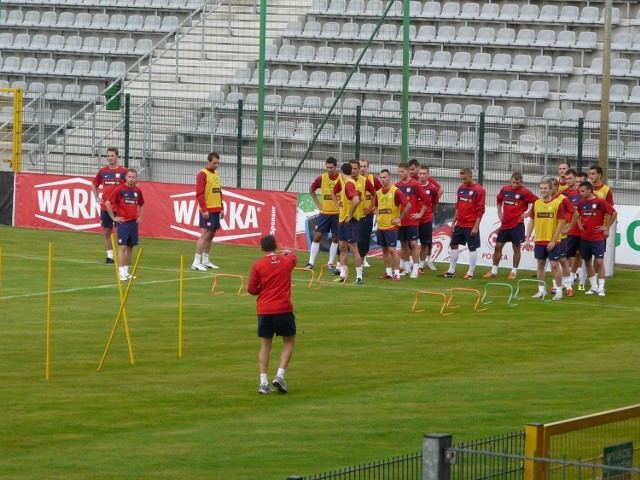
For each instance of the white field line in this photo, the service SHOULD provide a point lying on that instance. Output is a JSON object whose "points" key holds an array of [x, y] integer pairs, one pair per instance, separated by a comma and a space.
{"points": [[300, 282]]}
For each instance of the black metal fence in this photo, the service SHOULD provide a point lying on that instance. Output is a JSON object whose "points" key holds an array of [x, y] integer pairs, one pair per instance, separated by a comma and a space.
{"points": [[475, 460], [404, 467]]}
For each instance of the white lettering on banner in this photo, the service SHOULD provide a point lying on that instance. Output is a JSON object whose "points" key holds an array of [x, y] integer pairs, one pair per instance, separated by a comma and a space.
{"points": [[186, 212], [272, 230], [76, 203], [233, 218]]}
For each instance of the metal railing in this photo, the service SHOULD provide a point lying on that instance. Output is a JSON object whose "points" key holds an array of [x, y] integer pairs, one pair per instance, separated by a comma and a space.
{"points": [[404, 467]]}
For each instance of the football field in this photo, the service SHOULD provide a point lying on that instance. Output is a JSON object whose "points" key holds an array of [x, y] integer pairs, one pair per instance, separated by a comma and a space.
{"points": [[367, 380]]}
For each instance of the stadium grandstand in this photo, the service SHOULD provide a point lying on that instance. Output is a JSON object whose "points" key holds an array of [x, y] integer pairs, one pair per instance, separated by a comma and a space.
{"points": [[498, 86]]}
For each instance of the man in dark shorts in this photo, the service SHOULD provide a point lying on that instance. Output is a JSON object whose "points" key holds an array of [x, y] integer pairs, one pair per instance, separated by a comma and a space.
{"points": [[465, 227], [128, 202], [270, 280]]}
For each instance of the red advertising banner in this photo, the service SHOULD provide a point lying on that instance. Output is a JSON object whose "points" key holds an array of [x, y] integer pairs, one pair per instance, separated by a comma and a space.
{"points": [[66, 203]]}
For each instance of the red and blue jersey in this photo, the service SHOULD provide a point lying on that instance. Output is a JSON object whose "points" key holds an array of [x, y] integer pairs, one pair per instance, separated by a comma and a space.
{"points": [[416, 196], [432, 189], [592, 215], [125, 201], [110, 179], [514, 203], [470, 204], [572, 195]]}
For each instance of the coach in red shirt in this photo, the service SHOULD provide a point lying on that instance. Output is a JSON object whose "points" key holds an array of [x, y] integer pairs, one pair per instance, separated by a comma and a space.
{"points": [[270, 280]]}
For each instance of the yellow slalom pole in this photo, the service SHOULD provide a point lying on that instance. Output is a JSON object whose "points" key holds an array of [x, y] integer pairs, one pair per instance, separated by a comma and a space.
{"points": [[0, 274], [47, 368], [124, 312], [120, 310], [181, 297]]}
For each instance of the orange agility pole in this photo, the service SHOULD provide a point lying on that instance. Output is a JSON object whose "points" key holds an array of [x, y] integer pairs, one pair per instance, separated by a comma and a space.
{"points": [[438, 294], [228, 275], [470, 290], [120, 311]]}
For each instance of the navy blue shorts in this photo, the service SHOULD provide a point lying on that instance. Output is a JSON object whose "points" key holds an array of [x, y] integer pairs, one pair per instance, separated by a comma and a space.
{"points": [[211, 223], [592, 248], [408, 233], [563, 247], [327, 223], [573, 245], [387, 238], [348, 232], [105, 219], [514, 235], [280, 324], [425, 234], [462, 236], [540, 252], [128, 233]]}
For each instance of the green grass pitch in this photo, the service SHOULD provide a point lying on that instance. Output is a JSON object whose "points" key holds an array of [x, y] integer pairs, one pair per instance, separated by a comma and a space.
{"points": [[368, 377]]}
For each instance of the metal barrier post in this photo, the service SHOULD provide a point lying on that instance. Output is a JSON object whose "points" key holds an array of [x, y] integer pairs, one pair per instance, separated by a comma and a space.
{"points": [[434, 464]]}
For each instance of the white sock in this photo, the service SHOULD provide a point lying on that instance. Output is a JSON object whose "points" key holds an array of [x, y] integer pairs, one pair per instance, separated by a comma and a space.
{"points": [[263, 379], [122, 270], [555, 285], [197, 259], [594, 282], [333, 252], [205, 258], [542, 288], [453, 260], [600, 284], [572, 277], [428, 259], [280, 373], [315, 248], [343, 271], [566, 281], [396, 272], [359, 271], [473, 258], [388, 271], [110, 254], [407, 265], [414, 269], [583, 274], [514, 270], [494, 269], [421, 264]]}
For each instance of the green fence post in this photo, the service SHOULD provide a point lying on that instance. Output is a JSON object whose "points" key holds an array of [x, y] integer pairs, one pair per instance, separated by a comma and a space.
{"points": [[127, 127], [580, 140], [358, 124], [239, 146], [481, 133]]}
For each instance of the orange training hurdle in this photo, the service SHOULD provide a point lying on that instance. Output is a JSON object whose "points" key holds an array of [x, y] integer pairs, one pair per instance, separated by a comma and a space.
{"points": [[313, 276], [470, 290], [439, 294], [228, 275]]}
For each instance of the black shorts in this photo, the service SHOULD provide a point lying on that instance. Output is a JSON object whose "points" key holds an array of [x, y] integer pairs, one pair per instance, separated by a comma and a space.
{"points": [[280, 324], [462, 236]]}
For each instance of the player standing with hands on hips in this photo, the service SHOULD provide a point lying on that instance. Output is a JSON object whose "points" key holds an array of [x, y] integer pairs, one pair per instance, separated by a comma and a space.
{"points": [[270, 280], [128, 202]]}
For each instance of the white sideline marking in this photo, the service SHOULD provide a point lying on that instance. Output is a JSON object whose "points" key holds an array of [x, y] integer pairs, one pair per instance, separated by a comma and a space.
{"points": [[100, 287]]}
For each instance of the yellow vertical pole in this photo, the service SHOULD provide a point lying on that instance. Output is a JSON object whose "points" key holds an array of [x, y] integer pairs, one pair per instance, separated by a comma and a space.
{"points": [[17, 131], [47, 368], [124, 312], [180, 306], [534, 447], [0, 274], [120, 312]]}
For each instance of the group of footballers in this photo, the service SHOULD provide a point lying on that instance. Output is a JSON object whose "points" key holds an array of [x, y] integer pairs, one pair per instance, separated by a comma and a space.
{"points": [[570, 218]]}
